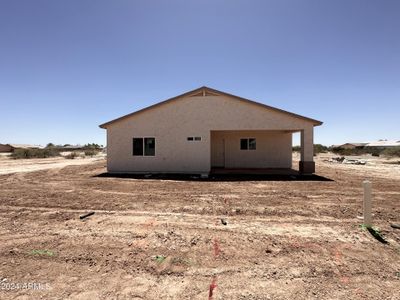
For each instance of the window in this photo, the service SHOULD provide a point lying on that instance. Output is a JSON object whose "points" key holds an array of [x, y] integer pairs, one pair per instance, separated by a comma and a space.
{"points": [[144, 146], [194, 138], [149, 146], [252, 144], [244, 144], [138, 146], [248, 144]]}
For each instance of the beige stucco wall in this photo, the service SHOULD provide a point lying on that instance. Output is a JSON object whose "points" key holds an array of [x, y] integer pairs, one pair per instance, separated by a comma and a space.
{"points": [[273, 149], [173, 122]]}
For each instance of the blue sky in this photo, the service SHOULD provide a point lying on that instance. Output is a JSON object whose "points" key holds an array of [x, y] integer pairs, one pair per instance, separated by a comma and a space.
{"points": [[68, 66]]}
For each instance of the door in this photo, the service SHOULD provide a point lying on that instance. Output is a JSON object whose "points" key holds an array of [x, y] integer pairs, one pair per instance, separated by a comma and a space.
{"points": [[223, 153], [218, 152]]}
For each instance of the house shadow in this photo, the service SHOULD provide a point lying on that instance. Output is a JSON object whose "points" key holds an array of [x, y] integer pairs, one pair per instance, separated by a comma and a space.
{"points": [[217, 177]]}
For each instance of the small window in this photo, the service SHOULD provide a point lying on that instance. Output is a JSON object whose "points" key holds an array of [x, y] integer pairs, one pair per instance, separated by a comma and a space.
{"points": [[194, 138], [144, 146], [248, 144], [138, 146]]}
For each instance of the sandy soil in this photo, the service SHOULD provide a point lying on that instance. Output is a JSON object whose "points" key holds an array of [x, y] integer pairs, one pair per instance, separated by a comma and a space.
{"points": [[375, 166], [8, 165], [164, 239]]}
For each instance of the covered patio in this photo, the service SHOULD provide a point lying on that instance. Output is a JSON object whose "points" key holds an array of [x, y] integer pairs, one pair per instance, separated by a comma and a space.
{"points": [[260, 152]]}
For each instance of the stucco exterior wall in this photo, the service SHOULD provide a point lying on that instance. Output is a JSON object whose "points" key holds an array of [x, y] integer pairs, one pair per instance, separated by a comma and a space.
{"points": [[173, 122]]}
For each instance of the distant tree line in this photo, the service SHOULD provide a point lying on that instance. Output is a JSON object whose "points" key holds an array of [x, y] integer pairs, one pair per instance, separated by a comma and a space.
{"points": [[374, 151], [86, 146], [52, 150]]}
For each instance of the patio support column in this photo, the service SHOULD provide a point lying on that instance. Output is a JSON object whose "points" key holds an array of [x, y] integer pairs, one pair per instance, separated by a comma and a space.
{"points": [[307, 164]]}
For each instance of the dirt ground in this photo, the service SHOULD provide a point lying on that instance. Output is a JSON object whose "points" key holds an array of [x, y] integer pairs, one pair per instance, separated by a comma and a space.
{"points": [[8, 166], [164, 239]]}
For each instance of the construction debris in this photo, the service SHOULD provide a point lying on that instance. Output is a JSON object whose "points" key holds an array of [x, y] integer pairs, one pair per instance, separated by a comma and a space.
{"points": [[86, 215], [349, 161], [354, 161], [338, 159]]}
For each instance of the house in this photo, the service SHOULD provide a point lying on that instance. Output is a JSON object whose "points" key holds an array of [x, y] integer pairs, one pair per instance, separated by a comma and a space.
{"points": [[12, 147], [204, 130], [351, 146], [383, 144], [5, 148]]}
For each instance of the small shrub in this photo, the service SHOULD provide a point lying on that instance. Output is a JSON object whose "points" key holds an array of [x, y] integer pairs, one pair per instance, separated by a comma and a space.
{"points": [[72, 155], [20, 153], [296, 148], [91, 152], [373, 151], [159, 258], [318, 148], [395, 151]]}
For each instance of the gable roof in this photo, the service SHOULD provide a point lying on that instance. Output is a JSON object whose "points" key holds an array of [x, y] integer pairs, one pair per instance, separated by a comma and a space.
{"points": [[209, 91]]}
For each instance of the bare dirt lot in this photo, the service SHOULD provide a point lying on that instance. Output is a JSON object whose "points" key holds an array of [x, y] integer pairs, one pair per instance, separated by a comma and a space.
{"points": [[8, 166], [164, 239]]}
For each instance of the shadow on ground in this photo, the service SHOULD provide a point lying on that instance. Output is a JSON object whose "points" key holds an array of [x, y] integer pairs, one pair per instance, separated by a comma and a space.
{"points": [[219, 177]]}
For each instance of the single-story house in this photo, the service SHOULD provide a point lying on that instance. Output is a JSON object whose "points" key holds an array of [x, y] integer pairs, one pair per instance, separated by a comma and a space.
{"points": [[351, 146], [383, 144], [4, 148], [206, 129], [12, 147]]}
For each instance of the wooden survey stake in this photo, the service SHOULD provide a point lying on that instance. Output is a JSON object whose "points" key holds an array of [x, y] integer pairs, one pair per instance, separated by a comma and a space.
{"points": [[367, 203]]}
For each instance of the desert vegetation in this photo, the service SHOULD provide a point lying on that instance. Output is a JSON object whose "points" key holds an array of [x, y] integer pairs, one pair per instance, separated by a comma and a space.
{"points": [[52, 150], [374, 151], [35, 153]]}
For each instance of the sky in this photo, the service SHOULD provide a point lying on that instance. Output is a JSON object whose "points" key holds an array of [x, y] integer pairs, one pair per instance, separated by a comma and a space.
{"points": [[68, 66]]}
